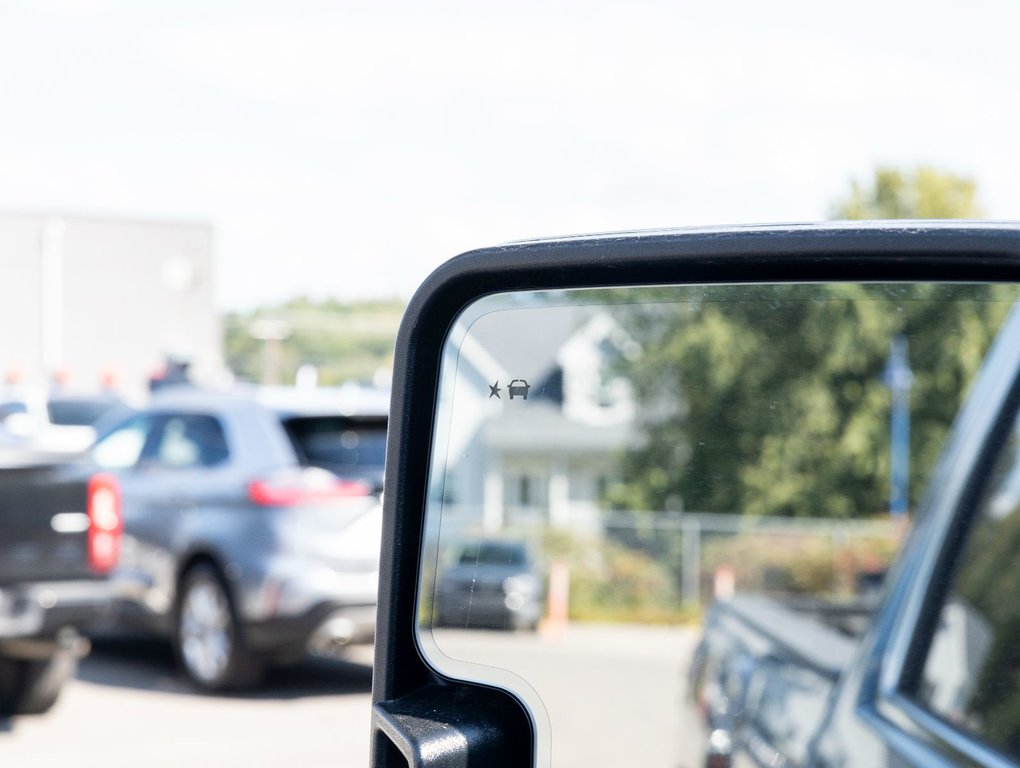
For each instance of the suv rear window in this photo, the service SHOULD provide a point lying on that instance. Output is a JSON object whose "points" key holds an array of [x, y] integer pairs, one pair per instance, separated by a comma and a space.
{"points": [[79, 412], [341, 444]]}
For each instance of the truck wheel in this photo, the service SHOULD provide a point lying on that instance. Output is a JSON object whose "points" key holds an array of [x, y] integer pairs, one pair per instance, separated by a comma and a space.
{"points": [[32, 686], [208, 640]]}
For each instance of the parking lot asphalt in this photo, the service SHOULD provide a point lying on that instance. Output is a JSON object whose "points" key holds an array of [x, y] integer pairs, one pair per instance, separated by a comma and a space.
{"points": [[130, 707], [615, 695]]}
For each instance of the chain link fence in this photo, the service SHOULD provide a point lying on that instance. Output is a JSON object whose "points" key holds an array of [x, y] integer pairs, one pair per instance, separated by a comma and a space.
{"points": [[710, 552], [658, 567]]}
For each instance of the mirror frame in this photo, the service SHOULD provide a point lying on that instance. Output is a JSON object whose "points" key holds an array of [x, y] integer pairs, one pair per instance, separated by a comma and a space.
{"points": [[424, 719]]}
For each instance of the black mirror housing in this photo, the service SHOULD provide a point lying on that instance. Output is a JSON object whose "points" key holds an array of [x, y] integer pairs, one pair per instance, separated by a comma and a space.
{"points": [[422, 718]]}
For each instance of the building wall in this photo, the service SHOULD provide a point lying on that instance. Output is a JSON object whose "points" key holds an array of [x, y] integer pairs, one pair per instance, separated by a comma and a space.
{"points": [[92, 296]]}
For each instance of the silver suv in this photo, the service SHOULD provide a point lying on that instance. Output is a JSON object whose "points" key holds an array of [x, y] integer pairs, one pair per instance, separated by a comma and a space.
{"points": [[251, 527]]}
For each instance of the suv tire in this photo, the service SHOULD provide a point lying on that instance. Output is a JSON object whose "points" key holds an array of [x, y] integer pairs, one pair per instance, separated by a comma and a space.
{"points": [[208, 639]]}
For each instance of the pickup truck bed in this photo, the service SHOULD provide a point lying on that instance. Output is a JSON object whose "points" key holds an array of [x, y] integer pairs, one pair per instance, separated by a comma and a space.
{"points": [[764, 672], [775, 628]]}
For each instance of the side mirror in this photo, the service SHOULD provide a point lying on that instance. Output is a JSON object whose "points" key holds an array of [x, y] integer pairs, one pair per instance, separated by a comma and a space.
{"points": [[634, 410]]}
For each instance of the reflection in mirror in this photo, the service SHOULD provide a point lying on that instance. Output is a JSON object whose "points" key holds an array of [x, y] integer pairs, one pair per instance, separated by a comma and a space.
{"points": [[639, 494], [973, 643]]}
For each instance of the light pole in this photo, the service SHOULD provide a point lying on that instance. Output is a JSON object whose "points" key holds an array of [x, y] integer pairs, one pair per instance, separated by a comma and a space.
{"points": [[899, 378], [272, 334]]}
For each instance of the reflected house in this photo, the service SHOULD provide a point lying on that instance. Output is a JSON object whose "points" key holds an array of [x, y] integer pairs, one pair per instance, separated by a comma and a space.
{"points": [[516, 464], [959, 652]]}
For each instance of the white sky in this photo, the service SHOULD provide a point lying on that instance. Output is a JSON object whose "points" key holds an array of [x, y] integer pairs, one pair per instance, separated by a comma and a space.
{"points": [[347, 148]]}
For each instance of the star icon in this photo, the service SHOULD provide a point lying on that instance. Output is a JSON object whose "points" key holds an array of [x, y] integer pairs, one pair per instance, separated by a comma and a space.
{"points": [[494, 390]]}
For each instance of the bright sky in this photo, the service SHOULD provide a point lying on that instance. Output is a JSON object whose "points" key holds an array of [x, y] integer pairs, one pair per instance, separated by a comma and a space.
{"points": [[347, 148]]}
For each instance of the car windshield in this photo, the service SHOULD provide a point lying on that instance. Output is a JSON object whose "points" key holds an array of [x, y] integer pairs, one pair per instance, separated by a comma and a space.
{"points": [[493, 553]]}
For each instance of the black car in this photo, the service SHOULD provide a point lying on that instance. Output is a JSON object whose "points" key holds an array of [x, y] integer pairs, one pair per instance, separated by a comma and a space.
{"points": [[492, 583]]}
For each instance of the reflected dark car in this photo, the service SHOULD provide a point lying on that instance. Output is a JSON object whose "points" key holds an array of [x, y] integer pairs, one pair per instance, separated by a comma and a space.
{"points": [[250, 528], [492, 584]]}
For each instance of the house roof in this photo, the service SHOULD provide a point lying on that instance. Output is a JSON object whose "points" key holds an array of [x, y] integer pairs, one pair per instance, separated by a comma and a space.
{"points": [[538, 426], [526, 341]]}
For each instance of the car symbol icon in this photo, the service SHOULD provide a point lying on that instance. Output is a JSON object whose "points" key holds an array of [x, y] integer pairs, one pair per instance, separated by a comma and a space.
{"points": [[518, 388]]}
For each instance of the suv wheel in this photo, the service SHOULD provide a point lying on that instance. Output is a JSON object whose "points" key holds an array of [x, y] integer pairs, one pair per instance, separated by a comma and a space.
{"points": [[207, 637]]}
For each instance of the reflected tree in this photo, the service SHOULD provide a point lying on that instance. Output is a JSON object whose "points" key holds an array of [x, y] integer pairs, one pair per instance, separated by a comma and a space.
{"points": [[771, 399]]}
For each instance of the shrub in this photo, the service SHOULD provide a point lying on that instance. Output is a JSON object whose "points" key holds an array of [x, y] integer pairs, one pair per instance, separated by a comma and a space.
{"points": [[613, 583], [816, 565]]}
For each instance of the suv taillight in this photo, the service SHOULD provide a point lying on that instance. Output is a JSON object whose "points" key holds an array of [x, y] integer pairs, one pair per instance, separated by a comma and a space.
{"points": [[308, 486], [106, 523]]}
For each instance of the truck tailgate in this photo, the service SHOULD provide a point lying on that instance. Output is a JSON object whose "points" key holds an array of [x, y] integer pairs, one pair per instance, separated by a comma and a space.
{"points": [[43, 522]]}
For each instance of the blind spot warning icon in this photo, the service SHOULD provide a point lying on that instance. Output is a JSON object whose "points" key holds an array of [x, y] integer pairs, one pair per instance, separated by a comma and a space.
{"points": [[518, 388]]}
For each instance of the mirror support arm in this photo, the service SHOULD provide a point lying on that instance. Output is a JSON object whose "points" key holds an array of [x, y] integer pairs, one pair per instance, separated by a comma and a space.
{"points": [[453, 726]]}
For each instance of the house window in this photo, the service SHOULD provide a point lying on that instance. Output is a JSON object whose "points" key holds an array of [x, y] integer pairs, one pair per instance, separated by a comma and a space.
{"points": [[609, 374], [524, 491]]}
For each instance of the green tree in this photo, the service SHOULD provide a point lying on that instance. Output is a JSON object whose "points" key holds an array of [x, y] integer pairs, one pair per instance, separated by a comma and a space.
{"points": [[345, 341], [921, 193], [771, 399]]}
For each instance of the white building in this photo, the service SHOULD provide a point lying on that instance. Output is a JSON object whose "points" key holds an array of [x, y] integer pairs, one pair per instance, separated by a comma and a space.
{"points": [[94, 300]]}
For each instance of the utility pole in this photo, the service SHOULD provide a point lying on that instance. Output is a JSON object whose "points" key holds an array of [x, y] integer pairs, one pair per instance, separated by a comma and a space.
{"points": [[899, 378], [272, 334]]}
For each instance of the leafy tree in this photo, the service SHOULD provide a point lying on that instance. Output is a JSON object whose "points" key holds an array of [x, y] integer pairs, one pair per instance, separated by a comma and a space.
{"points": [[922, 193], [771, 399], [345, 341]]}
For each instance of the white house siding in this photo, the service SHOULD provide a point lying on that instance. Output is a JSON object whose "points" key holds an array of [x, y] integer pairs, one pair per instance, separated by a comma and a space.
{"points": [[521, 466]]}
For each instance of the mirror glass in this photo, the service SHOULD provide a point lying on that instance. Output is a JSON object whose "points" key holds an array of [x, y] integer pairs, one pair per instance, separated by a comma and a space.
{"points": [[624, 481]]}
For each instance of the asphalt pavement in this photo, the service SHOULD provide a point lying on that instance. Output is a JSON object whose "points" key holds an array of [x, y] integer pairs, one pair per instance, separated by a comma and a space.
{"points": [[130, 707], [615, 696]]}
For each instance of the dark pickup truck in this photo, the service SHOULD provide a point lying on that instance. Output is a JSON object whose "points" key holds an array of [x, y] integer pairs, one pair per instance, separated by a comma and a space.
{"points": [[59, 537], [933, 678]]}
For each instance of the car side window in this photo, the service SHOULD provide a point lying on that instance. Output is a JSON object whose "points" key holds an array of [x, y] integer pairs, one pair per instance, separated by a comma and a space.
{"points": [[188, 440], [971, 673], [15, 406], [122, 447]]}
